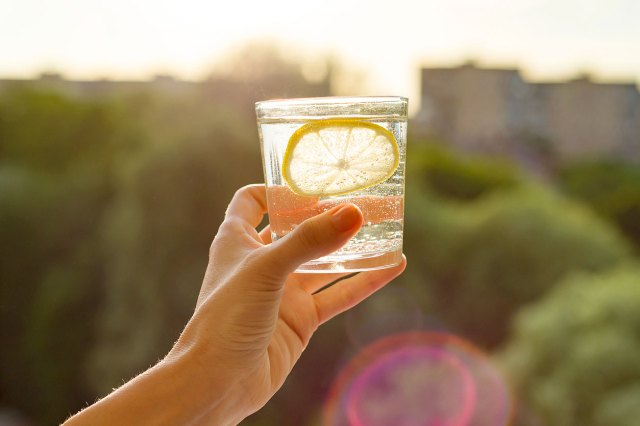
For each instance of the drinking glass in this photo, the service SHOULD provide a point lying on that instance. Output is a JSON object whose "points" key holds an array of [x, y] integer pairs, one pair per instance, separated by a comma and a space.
{"points": [[378, 244]]}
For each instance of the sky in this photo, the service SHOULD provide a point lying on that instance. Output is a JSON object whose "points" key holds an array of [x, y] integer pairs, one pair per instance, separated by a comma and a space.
{"points": [[384, 41]]}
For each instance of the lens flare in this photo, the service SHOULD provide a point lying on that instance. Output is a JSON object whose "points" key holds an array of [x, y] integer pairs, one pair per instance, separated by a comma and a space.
{"points": [[419, 379], [410, 378]]}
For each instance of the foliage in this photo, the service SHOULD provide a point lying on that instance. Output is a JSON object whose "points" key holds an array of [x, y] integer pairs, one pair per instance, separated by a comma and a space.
{"points": [[48, 132], [108, 204], [611, 188], [459, 178], [574, 358], [166, 212], [51, 198], [485, 260]]}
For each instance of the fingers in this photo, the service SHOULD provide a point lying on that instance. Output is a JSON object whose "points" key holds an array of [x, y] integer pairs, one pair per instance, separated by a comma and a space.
{"points": [[249, 204], [313, 238], [308, 282], [348, 293]]}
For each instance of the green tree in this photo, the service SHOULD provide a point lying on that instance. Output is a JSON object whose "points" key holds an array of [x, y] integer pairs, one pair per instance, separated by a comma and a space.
{"points": [[199, 148], [51, 282], [168, 207], [481, 262], [457, 177], [49, 132], [612, 189], [574, 356], [57, 156]]}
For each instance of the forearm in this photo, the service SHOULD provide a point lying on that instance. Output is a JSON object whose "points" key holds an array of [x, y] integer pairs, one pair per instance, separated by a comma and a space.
{"points": [[174, 392]]}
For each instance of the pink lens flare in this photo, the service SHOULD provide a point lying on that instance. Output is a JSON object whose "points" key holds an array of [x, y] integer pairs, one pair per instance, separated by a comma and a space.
{"points": [[421, 379], [380, 396]]}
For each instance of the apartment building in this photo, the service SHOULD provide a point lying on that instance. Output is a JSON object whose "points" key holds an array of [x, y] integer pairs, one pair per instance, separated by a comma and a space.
{"points": [[498, 111]]}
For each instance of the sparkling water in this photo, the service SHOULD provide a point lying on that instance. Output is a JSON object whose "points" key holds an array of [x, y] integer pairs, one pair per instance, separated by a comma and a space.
{"points": [[379, 242]]}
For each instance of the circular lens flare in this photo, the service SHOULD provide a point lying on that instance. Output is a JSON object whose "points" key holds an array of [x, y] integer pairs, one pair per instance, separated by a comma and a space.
{"points": [[396, 388], [421, 379]]}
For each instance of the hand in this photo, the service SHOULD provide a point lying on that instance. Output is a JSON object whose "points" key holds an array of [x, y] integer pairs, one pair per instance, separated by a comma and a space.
{"points": [[254, 316], [253, 319]]}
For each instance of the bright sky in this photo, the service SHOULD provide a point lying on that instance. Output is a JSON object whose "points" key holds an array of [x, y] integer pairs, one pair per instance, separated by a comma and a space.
{"points": [[385, 40]]}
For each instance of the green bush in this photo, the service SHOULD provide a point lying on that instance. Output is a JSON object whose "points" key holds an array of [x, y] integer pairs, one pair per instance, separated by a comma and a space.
{"points": [[50, 283], [458, 177], [611, 188], [108, 203], [574, 357], [482, 262], [169, 205]]}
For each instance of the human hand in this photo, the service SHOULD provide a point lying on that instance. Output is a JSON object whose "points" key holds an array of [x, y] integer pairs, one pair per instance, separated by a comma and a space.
{"points": [[254, 316]]}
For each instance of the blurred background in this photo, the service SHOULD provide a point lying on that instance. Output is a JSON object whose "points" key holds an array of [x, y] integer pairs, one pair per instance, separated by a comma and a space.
{"points": [[125, 128]]}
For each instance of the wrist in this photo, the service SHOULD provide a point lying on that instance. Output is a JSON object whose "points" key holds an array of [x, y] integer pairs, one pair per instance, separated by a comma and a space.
{"points": [[174, 391], [206, 392]]}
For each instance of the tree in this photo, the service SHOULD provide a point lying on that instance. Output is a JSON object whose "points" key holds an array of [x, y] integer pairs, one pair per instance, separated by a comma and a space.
{"points": [[169, 205], [49, 132], [456, 177], [574, 356], [57, 154], [612, 189], [484, 261], [264, 70]]}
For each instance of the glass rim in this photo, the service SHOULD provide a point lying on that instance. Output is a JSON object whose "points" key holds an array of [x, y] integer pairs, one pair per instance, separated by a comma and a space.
{"points": [[325, 100], [395, 106]]}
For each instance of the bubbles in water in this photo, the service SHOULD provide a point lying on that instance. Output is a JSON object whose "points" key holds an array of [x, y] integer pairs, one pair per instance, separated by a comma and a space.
{"points": [[421, 379]]}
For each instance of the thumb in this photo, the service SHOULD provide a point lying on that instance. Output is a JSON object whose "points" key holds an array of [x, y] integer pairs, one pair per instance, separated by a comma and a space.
{"points": [[315, 237]]}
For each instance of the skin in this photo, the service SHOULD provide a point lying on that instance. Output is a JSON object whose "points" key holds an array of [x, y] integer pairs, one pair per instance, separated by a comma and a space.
{"points": [[253, 318]]}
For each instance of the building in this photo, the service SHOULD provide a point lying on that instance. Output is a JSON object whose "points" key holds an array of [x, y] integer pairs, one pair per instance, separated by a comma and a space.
{"points": [[237, 91], [585, 118], [497, 111], [477, 109]]}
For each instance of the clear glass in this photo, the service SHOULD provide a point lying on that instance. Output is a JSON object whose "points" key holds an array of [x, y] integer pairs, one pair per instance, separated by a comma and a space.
{"points": [[379, 243]]}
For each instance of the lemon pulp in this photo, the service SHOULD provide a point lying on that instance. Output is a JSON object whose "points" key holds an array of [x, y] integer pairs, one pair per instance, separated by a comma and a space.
{"points": [[338, 156]]}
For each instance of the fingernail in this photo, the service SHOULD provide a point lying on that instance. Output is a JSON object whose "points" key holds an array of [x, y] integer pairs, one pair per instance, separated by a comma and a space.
{"points": [[345, 218]]}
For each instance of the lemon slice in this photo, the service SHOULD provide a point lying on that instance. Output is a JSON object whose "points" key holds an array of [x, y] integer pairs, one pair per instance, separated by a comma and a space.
{"points": [[338, 156]]}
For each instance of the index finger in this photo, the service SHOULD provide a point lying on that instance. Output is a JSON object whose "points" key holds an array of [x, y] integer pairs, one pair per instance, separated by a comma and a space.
{"points": [[248, 204]]}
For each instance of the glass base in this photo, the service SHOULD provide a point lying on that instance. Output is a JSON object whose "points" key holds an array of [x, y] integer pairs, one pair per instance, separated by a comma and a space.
{"points": [[352, 263]]}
